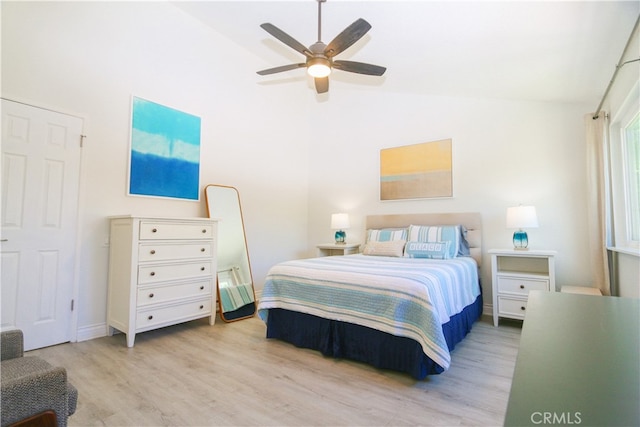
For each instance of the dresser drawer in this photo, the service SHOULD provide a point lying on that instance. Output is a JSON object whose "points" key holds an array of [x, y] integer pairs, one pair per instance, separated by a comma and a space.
{"points": [[184, 231], [148, 318], [514, 308], [163, 293], [165, 272], [521, 286], [164, 252]]}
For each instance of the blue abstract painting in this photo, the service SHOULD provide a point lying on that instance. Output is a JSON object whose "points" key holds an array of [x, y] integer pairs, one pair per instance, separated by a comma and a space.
{"points": [[165, 152]]}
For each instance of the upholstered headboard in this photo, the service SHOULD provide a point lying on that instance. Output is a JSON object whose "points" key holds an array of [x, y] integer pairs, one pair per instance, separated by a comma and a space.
{"points": [[472, 221]]}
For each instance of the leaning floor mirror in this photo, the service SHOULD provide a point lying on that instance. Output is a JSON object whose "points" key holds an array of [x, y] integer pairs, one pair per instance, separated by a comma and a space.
{"points": [[236, 296]]}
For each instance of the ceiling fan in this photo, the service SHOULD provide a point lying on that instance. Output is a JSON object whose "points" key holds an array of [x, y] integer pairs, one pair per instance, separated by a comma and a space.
{"points": [[320, 57]]}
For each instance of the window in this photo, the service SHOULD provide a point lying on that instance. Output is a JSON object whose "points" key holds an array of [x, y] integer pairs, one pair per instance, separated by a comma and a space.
{"points": [[631, 155], [625, 174]]}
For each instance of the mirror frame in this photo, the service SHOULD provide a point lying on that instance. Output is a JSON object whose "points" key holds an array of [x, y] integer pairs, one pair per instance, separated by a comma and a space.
{"points": [[248, 310]]}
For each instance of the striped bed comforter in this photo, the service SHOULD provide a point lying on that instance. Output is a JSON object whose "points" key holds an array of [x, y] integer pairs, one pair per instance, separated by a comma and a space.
{"points": [[402, 296]]}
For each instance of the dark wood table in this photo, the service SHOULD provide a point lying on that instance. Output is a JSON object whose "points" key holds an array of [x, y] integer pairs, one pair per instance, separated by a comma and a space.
{"points": [[578, 362]]}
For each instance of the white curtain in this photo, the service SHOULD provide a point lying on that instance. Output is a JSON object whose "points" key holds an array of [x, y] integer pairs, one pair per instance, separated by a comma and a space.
{"points": [[598, 211]]}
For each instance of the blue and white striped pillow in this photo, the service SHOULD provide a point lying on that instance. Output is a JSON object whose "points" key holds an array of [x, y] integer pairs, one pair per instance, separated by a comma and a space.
{"points": [[386, 234], [436, 234]]}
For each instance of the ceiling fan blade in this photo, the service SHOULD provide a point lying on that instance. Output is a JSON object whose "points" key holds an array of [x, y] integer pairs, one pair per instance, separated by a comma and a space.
{"points": [[347, 37], [359, 67], [281, 69], [286, 38], [322, 84]]}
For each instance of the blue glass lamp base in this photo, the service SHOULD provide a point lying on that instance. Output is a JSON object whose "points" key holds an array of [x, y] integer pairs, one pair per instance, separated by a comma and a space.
{"points": [[341, 236], [520, 240]]}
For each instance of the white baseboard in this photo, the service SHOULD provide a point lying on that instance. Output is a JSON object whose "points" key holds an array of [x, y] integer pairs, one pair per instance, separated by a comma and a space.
{"points": [[87, 333], [487, 309]]}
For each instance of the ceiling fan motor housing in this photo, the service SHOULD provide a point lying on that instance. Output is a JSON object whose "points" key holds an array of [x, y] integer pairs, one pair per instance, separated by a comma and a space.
{"points": [[318, 65]]}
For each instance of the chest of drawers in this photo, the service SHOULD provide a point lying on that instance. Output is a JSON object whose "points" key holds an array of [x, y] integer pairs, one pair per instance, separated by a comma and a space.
{"points": [[516, 273], [161, 272]]}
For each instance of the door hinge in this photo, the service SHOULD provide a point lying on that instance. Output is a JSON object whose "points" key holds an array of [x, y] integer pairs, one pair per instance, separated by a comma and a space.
{"points": [[82, 137], [72, 301]]}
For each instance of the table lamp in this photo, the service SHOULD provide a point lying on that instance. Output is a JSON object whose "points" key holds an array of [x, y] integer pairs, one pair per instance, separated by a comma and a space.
{"points": [[521, 217], [340, 221]]}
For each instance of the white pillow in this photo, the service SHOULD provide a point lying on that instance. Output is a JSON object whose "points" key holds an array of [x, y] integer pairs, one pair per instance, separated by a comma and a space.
{"points": [[393, 248]]}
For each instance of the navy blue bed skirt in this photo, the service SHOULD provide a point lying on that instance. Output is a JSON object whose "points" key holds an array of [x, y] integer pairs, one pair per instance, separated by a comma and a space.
{"points": [[380, 349]]}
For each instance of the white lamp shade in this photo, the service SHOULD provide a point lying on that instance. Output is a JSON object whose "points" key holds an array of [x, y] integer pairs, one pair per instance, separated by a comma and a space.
{"points": [[522, 217], [319, 70], [339, 221]]}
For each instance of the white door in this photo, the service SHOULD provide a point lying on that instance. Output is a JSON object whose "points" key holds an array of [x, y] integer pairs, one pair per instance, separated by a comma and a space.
{"points": [[40, 181]]}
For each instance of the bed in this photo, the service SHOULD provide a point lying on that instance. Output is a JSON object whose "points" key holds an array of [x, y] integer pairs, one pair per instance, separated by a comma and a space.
{"points": [[402, 304]]}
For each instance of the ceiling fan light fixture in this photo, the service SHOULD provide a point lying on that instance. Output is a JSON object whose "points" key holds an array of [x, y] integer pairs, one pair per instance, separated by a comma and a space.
{"points": [[318, 67]]}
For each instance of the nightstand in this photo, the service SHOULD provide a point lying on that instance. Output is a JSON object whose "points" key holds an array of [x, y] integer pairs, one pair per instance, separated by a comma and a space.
{"points": [[514, 273], [330, 249]]}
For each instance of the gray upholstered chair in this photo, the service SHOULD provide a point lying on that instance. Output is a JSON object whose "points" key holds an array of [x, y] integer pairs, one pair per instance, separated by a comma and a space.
{"points": [[30, 385]]}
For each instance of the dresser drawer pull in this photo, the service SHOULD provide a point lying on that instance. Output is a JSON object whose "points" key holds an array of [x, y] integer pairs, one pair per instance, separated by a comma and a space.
{"points": [[154, 230], [521, 286], [523, 308], [201, 307], [152, 252], [153, 273], [202, 268], [150, 318], [201, 288], [202, 249], [151, 295], [204, 231]]}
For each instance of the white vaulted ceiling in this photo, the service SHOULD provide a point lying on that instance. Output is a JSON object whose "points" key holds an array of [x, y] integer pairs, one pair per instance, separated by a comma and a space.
{"points": [[535, 50]]}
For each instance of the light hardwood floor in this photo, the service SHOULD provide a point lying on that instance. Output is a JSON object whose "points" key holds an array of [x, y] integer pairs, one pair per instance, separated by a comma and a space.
{"points": [[230, 375]]}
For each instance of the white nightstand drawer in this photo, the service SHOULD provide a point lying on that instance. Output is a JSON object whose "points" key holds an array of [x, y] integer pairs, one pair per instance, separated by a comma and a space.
{"points": [[163, 252], [521, 286], [514, 308], [163, 293], [149, 318], [166, 272], [161, 230]]}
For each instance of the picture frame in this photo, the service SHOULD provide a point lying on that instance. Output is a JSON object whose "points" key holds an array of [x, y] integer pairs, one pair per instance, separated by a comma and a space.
{"points": [[418, 171], [164, 156]]}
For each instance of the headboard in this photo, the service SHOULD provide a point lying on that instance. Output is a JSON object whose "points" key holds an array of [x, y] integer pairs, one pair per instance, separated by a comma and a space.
{"points": [[472, 221]]}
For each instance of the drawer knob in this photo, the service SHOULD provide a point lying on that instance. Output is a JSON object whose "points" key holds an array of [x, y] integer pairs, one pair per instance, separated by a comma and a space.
{"points": [[521, 286], [201, 288], [204, 231], [523, 308], [201, 268], [154, 230], [202, 249], [152, 252], [150, 318], [201, 307], [151, 295], [153, 273]]}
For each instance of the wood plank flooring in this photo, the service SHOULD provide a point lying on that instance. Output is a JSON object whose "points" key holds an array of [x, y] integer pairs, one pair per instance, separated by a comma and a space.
{"points": [[230, 375]]}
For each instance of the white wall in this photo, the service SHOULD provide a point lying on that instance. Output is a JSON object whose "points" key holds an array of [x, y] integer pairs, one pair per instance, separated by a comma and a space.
{"points": [[504, 153], [89, 58]]}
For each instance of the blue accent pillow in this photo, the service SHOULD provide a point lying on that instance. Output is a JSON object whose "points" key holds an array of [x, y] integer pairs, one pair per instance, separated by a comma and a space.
{"points": [[435, 234], [431, 250], [463, 250]]}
